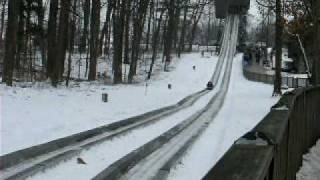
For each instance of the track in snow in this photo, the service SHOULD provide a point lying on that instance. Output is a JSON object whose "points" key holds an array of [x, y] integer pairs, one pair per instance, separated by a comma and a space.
{"points": [[155, 159]]}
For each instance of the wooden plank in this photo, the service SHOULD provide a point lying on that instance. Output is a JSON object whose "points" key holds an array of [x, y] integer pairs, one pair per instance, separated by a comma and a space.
{"points": [[243, 162]]}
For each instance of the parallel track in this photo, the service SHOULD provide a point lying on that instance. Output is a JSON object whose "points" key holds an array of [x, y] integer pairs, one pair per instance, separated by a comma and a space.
{"points": [[155, 159]]}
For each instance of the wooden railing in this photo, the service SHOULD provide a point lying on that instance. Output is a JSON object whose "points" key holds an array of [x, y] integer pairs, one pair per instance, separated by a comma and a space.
{"points": [[274, 149]]}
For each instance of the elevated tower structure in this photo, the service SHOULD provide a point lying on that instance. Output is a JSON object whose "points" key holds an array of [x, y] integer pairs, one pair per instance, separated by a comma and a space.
{"points": [[225, 7]]}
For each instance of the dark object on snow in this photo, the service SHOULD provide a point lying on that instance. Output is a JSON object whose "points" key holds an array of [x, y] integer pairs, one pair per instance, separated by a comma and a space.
{"points": [[169, 86], [209, 85], [80, 161], [105, 97], [194, 67]]}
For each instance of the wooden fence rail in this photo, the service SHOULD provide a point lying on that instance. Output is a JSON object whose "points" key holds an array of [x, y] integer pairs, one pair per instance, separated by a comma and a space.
{"points": [[274, 149]]}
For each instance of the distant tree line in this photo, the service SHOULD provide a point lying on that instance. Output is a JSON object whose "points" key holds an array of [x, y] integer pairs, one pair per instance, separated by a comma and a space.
{"points": [[56, 30]]}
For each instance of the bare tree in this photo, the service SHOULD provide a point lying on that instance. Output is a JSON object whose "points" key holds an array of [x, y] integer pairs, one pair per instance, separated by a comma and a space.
{"points": [[94, 38], [278, 40], [86, 19], [129, 22], [72, 30], [40, 35], [155, 40], [2, 16], [127, 33], [10, 41], [169, 33], [62, 42], [149, 24], [105, 30], [183, 29], [118, 25], [140, 9], [52, 39], [196, 15]]}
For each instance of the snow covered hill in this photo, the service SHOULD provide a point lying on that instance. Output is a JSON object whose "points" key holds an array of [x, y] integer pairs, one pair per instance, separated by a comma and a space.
{"points": [[31, 116]]}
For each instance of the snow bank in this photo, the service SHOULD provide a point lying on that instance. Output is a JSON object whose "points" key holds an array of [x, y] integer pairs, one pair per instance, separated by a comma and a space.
{"points": [[36, 115], [310, 169], [245, 105]]}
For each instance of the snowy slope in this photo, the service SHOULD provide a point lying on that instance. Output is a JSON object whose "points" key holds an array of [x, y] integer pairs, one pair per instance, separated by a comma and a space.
{"points": [[245, 105], [103, 155], [36, 115]]}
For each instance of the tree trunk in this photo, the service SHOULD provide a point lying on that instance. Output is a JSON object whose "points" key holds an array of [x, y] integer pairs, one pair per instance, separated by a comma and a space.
{"points": [[40, 35], [163, 39], [193, 33], [118, 24], [196, 17], [183, 30], [69, 69], [176, 23], [83, 41], [72, 30], [62, 43], [170, 32], [278, 41], [94, 40], [127, 33], [155, 43], [149, 25], [21, 39], [10, 41], [134, 52], [209, 29], [137, 33], [52, 38], [3, 4], [105, 28]]}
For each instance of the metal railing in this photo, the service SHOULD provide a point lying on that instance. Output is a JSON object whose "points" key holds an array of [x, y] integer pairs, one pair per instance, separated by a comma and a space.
{"points": [[274, 149], [290, 82]]}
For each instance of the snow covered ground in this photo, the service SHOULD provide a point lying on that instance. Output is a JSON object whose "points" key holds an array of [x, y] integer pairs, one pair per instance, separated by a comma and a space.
{"points": [[99, 157], [31, 116], [246, 104], [310, 169]]}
